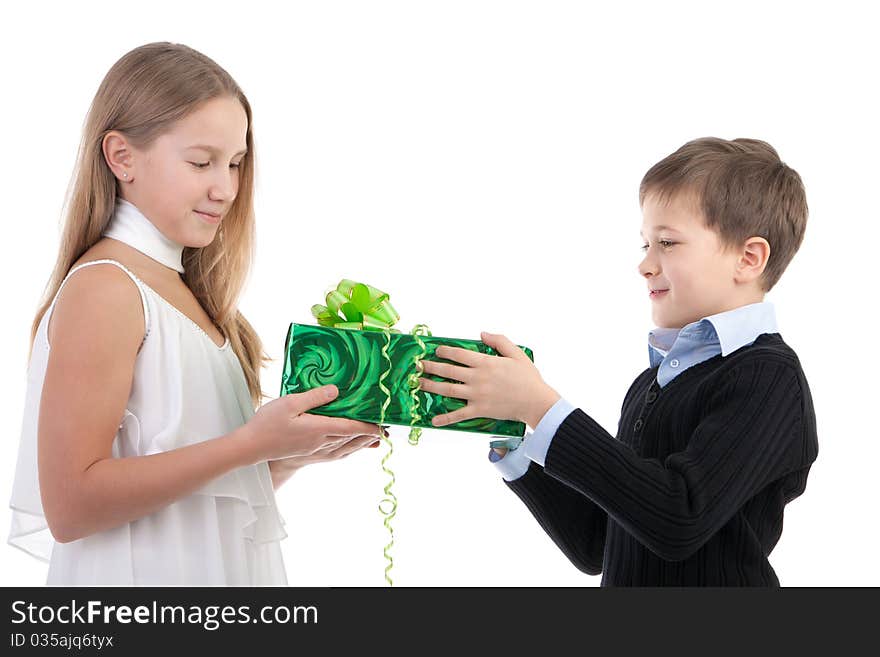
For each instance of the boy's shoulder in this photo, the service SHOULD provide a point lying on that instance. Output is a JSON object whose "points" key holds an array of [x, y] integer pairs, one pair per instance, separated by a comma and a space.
{"points": [[767, 349], [766, 346], [770, 348]]}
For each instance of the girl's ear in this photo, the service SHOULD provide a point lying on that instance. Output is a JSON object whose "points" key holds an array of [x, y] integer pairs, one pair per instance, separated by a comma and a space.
{"points": [[118, 155]]}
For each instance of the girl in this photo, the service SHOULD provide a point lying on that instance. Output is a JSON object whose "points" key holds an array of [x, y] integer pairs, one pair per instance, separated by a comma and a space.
{"points": [[142, 461]]}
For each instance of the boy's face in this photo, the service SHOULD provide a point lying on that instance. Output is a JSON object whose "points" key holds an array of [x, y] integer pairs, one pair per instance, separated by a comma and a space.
{"points": [[685, 258], [175, 181]]}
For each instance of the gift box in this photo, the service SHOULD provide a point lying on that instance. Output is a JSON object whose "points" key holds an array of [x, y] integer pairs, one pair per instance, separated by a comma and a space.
{"points": [[355, 362]]}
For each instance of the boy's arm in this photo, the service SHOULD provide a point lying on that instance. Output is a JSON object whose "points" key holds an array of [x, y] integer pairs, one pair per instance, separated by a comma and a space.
{"points": [[754, 431], [574, 522], [512, 463]]}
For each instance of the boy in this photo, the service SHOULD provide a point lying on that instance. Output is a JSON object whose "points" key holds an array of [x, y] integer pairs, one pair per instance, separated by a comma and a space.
{"points": [[717, 435]]}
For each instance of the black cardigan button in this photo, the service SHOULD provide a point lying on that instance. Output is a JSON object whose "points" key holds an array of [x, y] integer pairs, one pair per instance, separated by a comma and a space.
{"points": [[638, 425]]}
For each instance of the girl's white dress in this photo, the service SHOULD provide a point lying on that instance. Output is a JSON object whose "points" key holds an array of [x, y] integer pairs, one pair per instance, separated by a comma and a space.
{"points": [[185, 390]]}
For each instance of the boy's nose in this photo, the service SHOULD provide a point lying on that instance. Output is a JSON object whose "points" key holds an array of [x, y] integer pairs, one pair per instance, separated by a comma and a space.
{"points": [[646, 267]]}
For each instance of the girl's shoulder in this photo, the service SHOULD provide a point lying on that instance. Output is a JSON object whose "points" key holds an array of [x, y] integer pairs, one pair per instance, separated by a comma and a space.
{"points": [[109, 249], [95, 299]]}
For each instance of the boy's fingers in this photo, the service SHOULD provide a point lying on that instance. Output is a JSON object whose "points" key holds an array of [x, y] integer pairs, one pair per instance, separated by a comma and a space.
{"points": [[460, 415], [502, 345], [447, 371], [459, 355], [454, 390]]}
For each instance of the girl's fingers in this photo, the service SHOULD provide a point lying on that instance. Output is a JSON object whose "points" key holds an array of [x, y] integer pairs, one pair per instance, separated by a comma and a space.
{"points": [[459, 355], [352, 446], [454, 390], [447, 371], [343, 427], [345, 440], [334, 444], [460, 415]]}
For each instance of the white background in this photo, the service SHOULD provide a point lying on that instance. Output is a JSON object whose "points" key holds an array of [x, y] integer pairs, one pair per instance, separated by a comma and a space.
{"points": [[480, 162]]}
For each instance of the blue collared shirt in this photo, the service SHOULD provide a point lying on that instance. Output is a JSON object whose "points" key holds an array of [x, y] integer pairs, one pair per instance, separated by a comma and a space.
{"points": [[674, 351]]}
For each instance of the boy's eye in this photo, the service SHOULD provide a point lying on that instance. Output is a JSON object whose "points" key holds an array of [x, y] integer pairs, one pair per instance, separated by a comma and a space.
{"points": [[665, 244]]}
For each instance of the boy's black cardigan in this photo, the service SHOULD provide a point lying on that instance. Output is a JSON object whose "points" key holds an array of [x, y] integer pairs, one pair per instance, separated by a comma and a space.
{"points": [[691, 492]]}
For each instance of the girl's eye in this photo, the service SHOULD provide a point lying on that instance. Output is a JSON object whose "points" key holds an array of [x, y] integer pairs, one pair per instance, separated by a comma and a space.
{"points": [[202, 165]]}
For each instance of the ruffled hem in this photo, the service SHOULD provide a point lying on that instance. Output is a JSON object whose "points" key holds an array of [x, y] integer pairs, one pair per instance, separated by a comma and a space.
{"points": [[215, 537], [30, 533], [253, 486], [261, 522]]}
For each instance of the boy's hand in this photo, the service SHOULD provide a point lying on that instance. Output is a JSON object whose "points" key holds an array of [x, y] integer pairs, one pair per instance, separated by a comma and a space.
{"points": [[504, 387]]}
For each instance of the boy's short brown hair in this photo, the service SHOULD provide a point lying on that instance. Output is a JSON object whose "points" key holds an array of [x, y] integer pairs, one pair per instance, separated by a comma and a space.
{"points": [[743, 190]]}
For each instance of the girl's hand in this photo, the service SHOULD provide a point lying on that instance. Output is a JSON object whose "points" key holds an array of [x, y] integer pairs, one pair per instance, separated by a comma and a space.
{"points": [[281, 429], [282, 469], [504, 387]]}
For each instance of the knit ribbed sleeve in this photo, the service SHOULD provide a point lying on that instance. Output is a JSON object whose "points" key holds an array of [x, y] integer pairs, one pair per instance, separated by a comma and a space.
{"points": [[751, 433], [692, 490], [575, 523]]}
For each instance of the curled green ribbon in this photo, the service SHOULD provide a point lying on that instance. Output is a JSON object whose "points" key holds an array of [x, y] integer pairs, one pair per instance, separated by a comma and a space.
{"points": [[413, 382], [361, 307], [388, 505]]}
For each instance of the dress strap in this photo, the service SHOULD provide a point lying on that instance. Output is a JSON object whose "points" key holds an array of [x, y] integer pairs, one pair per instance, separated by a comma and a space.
{"points": [[134, 278]]}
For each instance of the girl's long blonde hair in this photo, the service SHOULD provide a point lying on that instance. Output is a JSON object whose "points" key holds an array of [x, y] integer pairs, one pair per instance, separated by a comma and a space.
{"points": [[142, 96]]}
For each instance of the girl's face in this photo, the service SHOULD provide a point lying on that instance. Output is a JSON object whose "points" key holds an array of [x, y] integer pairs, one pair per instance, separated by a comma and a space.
{"points": [[186, 181]]}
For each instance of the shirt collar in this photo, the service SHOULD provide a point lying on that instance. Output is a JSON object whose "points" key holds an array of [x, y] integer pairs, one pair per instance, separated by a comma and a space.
{"points": [[731, 329]]}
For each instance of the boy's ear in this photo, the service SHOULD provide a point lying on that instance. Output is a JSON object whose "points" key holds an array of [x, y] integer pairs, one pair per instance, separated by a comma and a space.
{"points": [[754, 257]]}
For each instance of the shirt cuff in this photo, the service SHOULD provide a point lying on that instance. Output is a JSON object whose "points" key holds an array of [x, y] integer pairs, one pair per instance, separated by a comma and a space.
{"points": [[538, 442], [512, 465]]}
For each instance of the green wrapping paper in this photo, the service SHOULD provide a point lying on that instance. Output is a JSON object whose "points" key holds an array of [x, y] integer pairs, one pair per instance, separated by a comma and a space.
{"points": [[377, 370], [352, 360]]}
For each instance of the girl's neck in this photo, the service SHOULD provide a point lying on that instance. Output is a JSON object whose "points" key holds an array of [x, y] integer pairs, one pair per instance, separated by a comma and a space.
{"points": [[130, 226]]}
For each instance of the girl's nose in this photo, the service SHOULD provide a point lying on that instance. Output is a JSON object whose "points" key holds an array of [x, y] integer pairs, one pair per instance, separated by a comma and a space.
{"points": [[223, 187]]}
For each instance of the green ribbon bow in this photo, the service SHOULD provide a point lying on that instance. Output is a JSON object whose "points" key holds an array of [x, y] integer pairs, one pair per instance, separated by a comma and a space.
{"points": [[361, 307]]}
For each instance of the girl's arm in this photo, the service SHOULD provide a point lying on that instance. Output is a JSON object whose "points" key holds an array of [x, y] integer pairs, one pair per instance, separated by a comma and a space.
{"points": [[94, 332]]}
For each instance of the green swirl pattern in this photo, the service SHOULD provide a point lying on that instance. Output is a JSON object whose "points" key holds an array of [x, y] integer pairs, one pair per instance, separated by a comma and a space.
{"points": [[352, 361]]}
